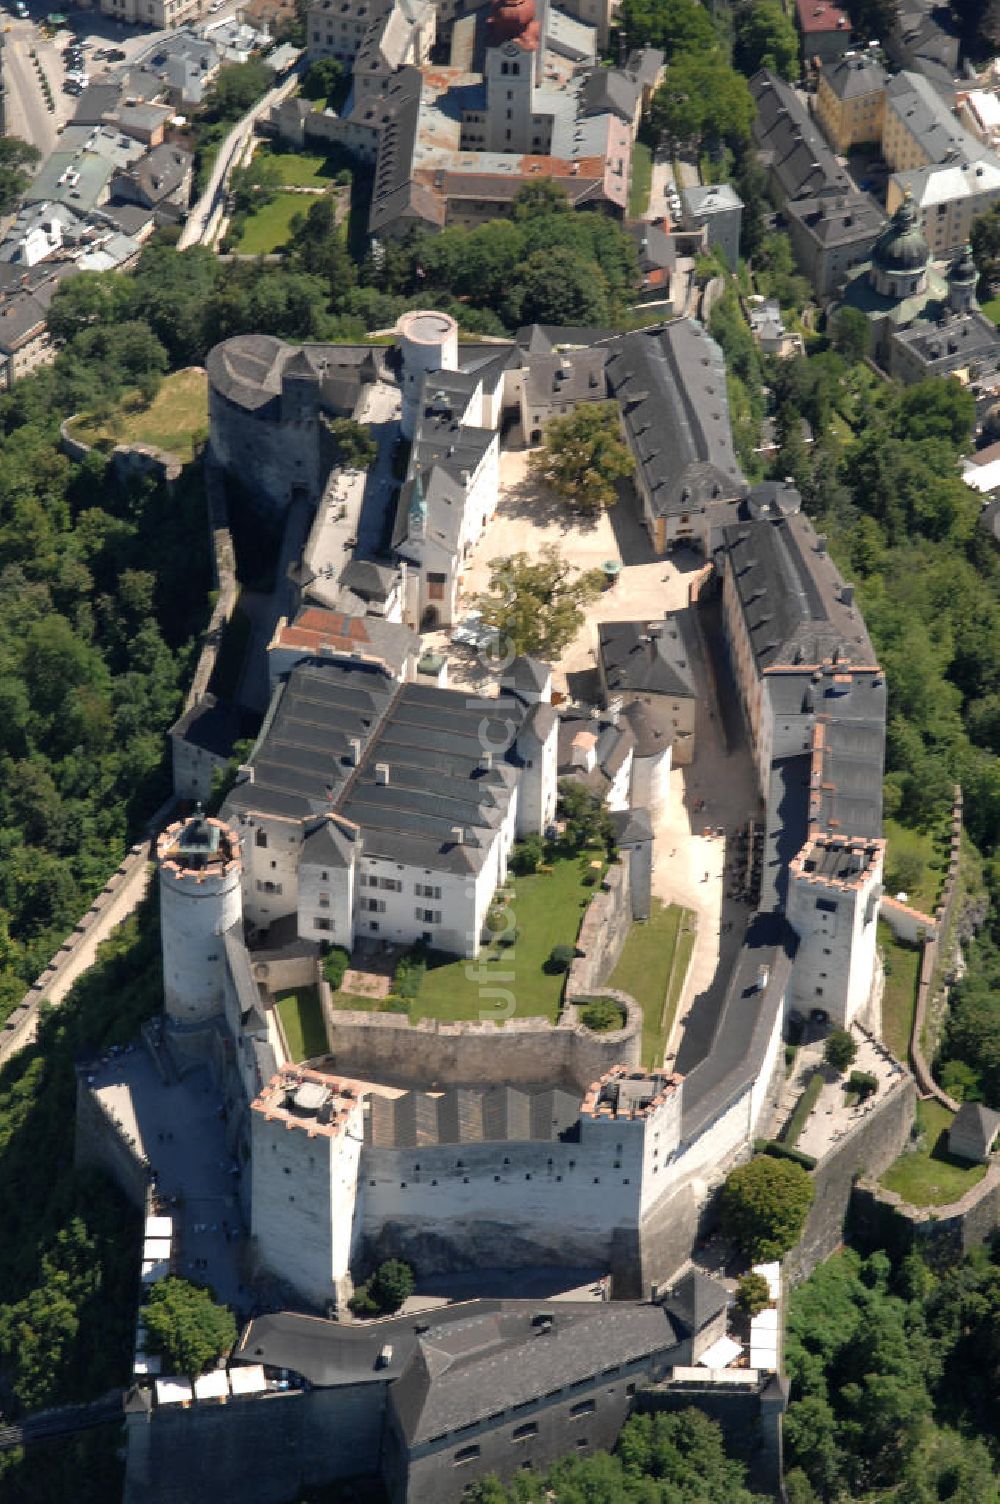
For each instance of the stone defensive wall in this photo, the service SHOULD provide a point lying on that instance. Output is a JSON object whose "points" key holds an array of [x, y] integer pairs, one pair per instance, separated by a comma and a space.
{"points": [[944, 1233], [603, 932], [122, 893], [866, 1150], [526, 1051], [224, 574]]}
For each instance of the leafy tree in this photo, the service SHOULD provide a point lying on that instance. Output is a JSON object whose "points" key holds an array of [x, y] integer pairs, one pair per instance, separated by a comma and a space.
{"points": [[700, 97], [873, 20], [558, 286], [526, 856], [849, 333], [186, 1325], [353, 445], [764, 1206], [753, 1294], [585, 817], [323, 80], [236, 89], [386, 1290], [602, 1015], [840, 1050], [17, 157], [765, 37], [674, 26], [582, 456], [254, 186], [538, 603]]}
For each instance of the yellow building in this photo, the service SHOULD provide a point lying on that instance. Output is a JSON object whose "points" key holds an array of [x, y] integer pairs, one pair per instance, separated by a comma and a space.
{"points": [[850, 99]]}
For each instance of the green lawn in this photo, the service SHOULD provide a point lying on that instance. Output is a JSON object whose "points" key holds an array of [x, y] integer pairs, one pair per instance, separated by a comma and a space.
{"points": [[546, 910], [899, 1000], [915, 849], [269, 228], [176, 419], [302, 1020], [300, 169], [992, 309], [929, 1176], [641, 180], [803, 1107], [652, 968]]}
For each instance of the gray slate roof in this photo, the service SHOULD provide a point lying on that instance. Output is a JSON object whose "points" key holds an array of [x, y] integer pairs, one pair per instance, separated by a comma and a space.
{"points": [[652, 657], [797, 153], [695, 1300], [671, 385], [470, 1115]]}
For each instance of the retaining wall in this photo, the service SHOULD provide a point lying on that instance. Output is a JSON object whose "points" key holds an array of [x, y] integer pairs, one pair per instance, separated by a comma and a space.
{"points": [[945, 1233], [929, 962], [101, 1143], [123, 892], [224, 574], [868, 1149], [603, 933]]}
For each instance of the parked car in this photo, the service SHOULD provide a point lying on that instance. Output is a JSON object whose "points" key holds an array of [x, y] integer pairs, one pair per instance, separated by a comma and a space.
{"points": [[115, 55], [21, 10], [71, 86]]}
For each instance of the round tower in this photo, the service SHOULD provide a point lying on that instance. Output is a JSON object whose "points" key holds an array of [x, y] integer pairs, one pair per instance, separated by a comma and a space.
{"points": [[962, 281], [428, 341], [200, 898]]}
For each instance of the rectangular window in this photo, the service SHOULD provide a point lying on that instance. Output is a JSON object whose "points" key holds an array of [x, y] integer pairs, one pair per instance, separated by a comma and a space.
{"points": [[466, 1454], [260, 839], [435, 587], [524, 1432], [324, 900], [391, 884], [323, 924], [826, 905], [583, 1407]]}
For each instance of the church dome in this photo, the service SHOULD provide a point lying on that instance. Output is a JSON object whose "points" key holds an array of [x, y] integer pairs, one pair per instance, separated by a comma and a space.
{"points": [[902, 247], [513, 21]]}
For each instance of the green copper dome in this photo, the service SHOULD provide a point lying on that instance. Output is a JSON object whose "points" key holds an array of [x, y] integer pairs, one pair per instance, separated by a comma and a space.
{"points": [[901, 247]]}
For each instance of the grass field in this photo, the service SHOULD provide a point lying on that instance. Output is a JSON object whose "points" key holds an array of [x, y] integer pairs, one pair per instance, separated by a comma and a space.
{"points": [[641, 180], [269, 228], [992, 309], [930, 1176], [300, 169], [546, 910], [652, 968], [302, 1020], [899, 1000], [176, 419], [807, 1101], [916, 850]]}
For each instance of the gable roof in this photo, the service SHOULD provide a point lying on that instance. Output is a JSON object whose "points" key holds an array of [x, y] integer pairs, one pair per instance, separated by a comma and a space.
{"points": [[695, 1300], [653, 657]]}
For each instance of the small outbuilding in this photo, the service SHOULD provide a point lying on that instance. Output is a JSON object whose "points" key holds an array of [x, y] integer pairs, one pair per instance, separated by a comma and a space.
{"points": [[974, 1132]]}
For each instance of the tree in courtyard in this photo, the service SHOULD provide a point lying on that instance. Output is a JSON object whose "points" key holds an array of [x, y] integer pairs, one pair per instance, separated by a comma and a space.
{"points": [[840, 1050], [765, 37], [236, 89], [674, 26], [702, 96], [323, 79], [764, 1206], [753, 1294], [187, 1325], [254, 186], [849, 334], [16, 158], [537, 603], [354, 446], [585, 817], [386, 1290], [582, 456]]}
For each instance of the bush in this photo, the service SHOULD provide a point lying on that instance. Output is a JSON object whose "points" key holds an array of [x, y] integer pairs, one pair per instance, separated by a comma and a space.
{"points": [[778, 1150], [840, 1050], [863, 1082], [393, 1004], [560, 958], [335, 963], [409, 977], [186, 1325], [386, 1290], [526, 856], [752, 1294], [602, 1015]]}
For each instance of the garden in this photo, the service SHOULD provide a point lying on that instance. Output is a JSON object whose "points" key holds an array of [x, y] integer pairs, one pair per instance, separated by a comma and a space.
{"points": [[930, 1175], [301, 1015], [173, 417]]}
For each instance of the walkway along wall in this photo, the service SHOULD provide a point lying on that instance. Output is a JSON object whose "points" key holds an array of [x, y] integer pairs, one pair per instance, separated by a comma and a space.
{"points": [[122, 893]]}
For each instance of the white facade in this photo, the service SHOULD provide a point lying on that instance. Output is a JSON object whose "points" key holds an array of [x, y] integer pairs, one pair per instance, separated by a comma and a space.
{"points": [[200, 898], [833, 899], [428, 342], [304, 1184], [650, 786]]}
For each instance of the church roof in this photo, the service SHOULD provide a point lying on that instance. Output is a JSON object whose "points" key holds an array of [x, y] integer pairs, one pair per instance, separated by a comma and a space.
{"points": [[902, 246]]}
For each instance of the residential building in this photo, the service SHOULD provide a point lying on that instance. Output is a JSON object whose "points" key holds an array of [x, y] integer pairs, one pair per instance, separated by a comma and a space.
{"points": [[160, 15], [650, 662], [162, 177], [850, 97], [798, 160], [25, 296], [825, 29], [831, 235], [719, 208]]}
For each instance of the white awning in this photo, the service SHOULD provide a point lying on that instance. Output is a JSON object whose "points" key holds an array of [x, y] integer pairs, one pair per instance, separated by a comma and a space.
{"points": [[159, 1227], [720, 1354], [173, 1391], [156, 1248], [212, 1386], [247, 1380], [772, 1273], [766, 1321], [765, 1358]]}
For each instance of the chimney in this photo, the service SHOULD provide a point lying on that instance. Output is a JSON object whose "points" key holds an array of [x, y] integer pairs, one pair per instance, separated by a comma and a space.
{"points": [[245, 773], [382, 772], [763, 977], [355, 745], [457, 835], [485, 761], [847, 594]]}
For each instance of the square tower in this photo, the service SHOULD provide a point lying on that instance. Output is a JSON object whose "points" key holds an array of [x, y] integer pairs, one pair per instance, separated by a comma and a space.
{"points": [[834, 888]]}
